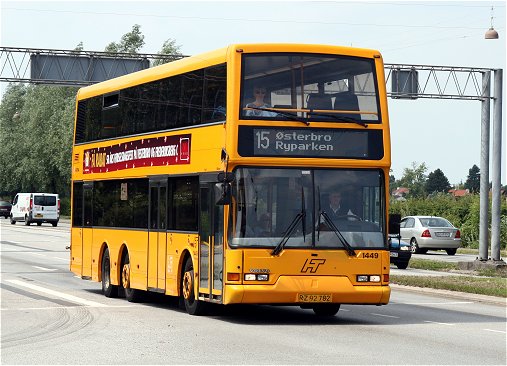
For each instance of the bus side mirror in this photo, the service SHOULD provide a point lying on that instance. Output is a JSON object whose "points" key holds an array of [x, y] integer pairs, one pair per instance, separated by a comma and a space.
{"points": [[225, 177], [394, 224], [223, 194]]}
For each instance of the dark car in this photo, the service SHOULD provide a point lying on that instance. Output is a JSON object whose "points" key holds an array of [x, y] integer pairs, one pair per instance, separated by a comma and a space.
{"points": [[400, 252], [5, 209]]}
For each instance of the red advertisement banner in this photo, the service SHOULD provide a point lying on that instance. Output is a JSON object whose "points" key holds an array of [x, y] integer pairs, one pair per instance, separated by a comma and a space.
{"points": [[165, 150]]}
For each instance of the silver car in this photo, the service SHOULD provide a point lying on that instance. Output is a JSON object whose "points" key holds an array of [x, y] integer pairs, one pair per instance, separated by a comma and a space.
{"points": [[430, 232]]}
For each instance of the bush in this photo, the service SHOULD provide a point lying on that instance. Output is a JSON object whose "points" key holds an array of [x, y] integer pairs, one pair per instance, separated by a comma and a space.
{"points": [[64, 206], [462, 212]]}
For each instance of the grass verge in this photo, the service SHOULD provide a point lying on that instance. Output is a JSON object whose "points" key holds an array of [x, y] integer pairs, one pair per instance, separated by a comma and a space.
{"points": [[432, 265], [475, 251], [492, 286], [453, 267]]}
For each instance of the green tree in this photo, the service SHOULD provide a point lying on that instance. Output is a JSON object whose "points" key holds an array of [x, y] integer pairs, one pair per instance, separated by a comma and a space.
{"points": [[79, 47], [130, 42], [168, 48], [36, 130], [11, 123], [473, 182], [392, 183], [437, 182], [36, 146], [415, 179]]}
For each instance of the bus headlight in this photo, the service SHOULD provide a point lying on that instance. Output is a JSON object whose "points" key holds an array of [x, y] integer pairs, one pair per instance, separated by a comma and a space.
{"points": [[368, 278], [374, 278], [256, 277], [262, 277]]}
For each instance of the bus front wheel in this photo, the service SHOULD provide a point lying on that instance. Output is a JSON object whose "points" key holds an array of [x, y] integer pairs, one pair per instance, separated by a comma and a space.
{"points": [[108, 289], [192, 305], [326, 309]]}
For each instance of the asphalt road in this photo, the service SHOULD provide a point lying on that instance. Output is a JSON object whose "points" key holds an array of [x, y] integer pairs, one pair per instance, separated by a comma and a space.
{"points": [[49, 316]]}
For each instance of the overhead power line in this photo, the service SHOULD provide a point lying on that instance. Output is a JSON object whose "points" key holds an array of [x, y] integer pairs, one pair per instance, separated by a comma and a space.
{"points": [[256, 20]]}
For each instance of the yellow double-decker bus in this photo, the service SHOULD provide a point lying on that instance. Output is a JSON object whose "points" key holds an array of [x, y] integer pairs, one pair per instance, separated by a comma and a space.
{"points": [[253, 174]]}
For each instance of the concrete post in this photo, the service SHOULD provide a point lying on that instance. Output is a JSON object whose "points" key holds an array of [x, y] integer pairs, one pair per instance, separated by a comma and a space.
{"points": [[484, 185], [496, 166]]}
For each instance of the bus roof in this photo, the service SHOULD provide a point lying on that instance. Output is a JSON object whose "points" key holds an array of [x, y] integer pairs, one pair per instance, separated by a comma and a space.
{"points": [[213, 58], [155, 73]]}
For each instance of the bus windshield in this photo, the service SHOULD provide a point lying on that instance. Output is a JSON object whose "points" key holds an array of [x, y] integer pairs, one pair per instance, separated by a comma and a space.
{"points": [[309, 208], [309, 87]]}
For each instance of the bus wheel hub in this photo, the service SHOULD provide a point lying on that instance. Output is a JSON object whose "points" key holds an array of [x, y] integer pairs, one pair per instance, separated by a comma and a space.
{"points": [[187, 285], [126, 276]]}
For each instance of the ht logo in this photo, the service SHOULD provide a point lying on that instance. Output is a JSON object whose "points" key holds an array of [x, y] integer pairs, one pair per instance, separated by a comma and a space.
{"points": [[312, 265]]}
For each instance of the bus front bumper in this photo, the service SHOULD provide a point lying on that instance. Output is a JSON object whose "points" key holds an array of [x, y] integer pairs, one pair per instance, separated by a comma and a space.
{"points": [[288, 288]]}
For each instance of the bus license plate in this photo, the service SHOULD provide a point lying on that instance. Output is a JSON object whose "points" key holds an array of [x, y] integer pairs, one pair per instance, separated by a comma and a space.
{"points": [[314, 298]]}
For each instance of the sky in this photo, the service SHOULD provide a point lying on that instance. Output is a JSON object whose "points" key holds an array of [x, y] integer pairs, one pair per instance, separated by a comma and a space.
{"points": [[442, 134]]}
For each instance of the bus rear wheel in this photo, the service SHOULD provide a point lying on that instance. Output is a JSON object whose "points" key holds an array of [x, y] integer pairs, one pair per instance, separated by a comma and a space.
{"points": [[192, 305], [132, 295], [108, 289], [326, 309]]}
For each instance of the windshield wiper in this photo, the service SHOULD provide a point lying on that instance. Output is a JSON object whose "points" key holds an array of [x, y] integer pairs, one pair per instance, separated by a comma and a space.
{"points": [[287, 115], [292, 226], [338, 233], [339, 118]]}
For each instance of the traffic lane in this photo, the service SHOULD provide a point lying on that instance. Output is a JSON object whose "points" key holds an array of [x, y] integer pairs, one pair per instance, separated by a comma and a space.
{"points": [[349, 316], [158, 331], [33, 258], [13, 231]]}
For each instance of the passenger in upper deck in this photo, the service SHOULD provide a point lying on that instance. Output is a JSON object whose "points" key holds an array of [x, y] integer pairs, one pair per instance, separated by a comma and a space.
{"points": [[259, 94]]}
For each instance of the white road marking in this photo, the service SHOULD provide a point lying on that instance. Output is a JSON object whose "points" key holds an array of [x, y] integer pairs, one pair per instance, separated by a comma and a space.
{"points": [[67, 307], [57, 294], [46, 256], [496, 331], [428, 321], [434, 303], [61, 259], [45, 269], [386, 316]]}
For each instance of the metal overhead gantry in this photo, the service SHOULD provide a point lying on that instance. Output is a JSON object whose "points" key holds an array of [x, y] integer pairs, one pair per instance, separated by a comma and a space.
{"points": [[464, 83], [71, 67], [77, 67]]}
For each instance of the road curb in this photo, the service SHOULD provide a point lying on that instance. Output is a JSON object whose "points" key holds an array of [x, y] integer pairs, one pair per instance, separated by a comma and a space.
{"points": [[452, 294]]}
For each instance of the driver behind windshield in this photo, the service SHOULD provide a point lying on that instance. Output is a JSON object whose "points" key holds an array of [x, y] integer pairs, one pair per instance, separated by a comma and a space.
{"points": [[337, 209]]}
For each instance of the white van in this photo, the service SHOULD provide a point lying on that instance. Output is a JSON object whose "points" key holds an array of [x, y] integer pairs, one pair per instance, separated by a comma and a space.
{"points": [[36, 207]]}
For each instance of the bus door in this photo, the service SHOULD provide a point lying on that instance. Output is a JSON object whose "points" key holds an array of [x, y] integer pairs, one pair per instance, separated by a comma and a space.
{"points": [[211, 244], [87, 230], [157, 235]]}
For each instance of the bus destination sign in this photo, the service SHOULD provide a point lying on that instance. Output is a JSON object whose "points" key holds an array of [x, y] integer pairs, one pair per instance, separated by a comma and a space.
{"points": [[303, 142], [145, 152]]}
